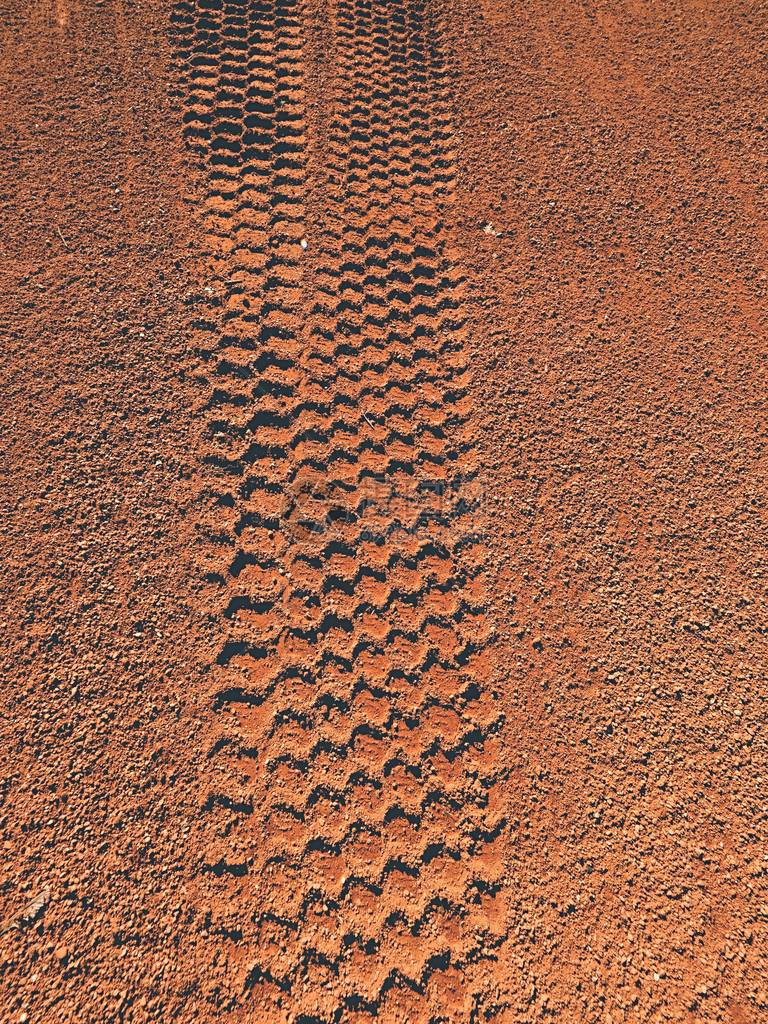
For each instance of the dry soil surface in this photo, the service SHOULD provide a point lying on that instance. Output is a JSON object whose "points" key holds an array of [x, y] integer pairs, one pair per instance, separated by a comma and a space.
{"points": [[383, 511]]}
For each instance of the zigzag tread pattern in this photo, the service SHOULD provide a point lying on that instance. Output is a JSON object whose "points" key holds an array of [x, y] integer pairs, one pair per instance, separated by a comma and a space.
{"points": [[355, 869]]}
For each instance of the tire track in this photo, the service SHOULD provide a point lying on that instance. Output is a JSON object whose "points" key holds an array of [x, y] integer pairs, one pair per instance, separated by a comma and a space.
{"points": [[356, 867]]}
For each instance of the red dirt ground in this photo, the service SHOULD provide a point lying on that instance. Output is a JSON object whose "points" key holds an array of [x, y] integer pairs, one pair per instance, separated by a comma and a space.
{"points": [[383, 512]]}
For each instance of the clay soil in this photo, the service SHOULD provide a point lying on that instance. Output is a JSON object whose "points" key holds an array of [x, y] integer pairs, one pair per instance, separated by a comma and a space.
{"points": [[382, 508]]}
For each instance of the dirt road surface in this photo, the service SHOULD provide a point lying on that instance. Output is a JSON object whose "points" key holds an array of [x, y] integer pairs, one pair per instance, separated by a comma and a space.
{"points": [[383, 511]]}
